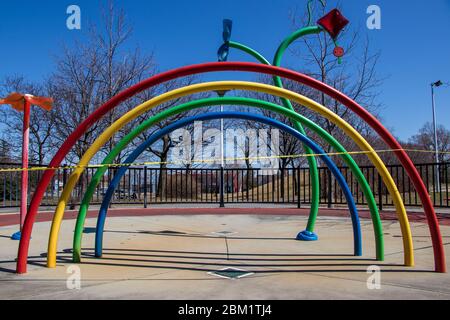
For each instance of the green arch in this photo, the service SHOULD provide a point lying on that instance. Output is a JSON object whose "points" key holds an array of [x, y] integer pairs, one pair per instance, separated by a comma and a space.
{"points": [[314, 172], [228, 101]]}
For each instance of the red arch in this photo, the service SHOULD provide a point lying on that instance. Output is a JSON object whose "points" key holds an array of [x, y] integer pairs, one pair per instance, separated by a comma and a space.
{"points": [[438, 248]]}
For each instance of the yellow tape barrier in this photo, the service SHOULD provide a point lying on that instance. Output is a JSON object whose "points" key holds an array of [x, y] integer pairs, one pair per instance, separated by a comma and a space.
{"points": [[152, 163]]}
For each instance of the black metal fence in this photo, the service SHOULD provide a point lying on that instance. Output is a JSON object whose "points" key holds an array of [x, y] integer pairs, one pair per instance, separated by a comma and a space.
{"points": [[147, 186]]}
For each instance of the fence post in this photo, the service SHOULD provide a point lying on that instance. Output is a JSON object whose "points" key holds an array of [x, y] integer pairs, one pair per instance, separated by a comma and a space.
{"points": [[64, 174], [222, 197], [380, 193], [110, 178], [299, 205], [330, 191], [71, 204], [145, 187]]}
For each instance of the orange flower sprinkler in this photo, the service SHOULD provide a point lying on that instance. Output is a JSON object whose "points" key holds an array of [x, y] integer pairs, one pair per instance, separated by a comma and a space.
{"points": [[23, 103]]}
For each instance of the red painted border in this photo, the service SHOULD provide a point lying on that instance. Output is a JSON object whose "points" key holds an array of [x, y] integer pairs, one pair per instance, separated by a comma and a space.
{"points": [[433, 223], [7, 220]]}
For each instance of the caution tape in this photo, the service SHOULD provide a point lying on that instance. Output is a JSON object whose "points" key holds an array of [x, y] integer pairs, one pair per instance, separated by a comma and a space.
{"points": [[297, 156]]}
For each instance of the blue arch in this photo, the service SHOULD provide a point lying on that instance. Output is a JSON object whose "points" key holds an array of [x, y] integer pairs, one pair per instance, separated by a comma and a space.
{"points": [[228, 115]]}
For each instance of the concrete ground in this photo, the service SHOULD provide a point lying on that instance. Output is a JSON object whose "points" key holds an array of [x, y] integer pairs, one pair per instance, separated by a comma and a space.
{"points": [[187, 205], [170, 257]]}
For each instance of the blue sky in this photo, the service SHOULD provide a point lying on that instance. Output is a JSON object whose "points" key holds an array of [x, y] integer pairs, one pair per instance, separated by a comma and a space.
{"points": [[414, 41]]}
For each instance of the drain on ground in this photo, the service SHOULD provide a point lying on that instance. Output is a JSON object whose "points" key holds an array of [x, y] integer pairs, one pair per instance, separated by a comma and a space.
{"points": [[164, 232], [224, 233], [231, 273]]}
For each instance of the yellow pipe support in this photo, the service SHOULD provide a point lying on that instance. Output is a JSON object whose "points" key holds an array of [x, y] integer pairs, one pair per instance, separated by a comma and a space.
{"points": [[228, 86]]}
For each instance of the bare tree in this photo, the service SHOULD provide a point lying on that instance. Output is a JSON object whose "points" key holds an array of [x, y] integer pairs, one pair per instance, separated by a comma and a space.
{"points": [[356, 77], [42, 124], [6, 155], [91, 73], [160, 151], [88, 74], [424, 140]]}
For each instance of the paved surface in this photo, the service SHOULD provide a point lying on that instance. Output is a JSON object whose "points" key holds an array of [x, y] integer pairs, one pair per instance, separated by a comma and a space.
{"points": [[13, 218], [439, 211], [169, 257]]}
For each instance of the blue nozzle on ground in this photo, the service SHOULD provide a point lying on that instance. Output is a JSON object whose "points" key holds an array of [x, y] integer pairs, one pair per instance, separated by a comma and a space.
{"points": [[307, 236], [16, 236]]}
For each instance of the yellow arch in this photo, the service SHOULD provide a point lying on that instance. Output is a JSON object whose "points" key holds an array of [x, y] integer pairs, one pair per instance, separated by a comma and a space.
{"points": [[228, 86]]}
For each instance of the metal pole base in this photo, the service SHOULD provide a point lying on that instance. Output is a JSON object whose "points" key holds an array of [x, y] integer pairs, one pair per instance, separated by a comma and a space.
{"points": [[16, 236], [307, 236]]}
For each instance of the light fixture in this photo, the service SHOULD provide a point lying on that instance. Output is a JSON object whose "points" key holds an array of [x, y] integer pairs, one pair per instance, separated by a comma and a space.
{"points": [[437, 83]]}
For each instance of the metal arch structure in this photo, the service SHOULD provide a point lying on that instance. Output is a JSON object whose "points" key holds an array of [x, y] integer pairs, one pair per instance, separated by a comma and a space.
{"points": [[438, 249], [227, 86], [254, 103], [357, 242], [314, 174], [332, 23]]}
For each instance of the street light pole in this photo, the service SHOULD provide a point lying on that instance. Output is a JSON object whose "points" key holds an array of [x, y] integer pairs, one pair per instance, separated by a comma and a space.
{"points": [[222, 142], [436, 146], [222, 163], [222, 94]]}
